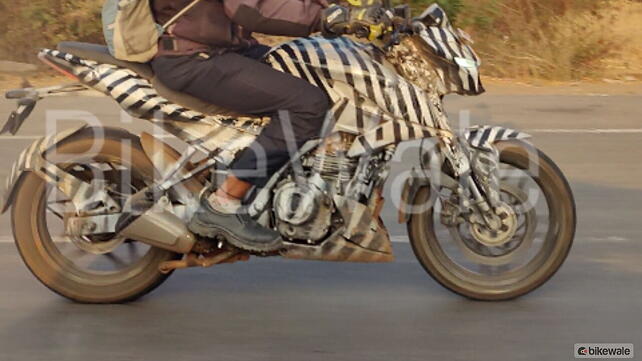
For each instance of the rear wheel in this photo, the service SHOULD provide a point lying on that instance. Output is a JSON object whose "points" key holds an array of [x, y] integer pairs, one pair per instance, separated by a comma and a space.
{"points": [[494, 266], [97, 269]]}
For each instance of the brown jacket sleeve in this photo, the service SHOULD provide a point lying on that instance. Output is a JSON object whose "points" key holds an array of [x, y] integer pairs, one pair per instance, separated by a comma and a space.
{"points": [[276, 17]]}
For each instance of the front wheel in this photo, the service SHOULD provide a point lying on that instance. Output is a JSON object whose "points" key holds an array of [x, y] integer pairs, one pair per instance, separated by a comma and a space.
{"points": [[493, 267]]}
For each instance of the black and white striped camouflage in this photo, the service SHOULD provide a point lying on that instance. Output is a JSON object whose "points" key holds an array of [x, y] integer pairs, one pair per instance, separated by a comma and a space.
{"points": [[456, 63], [362, 239], [213, 134], [380, 99], [371, 99], [483, 137], [33, 159]]}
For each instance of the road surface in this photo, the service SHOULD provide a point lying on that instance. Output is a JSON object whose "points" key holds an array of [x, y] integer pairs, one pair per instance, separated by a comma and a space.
{"points": [[287, 310]]}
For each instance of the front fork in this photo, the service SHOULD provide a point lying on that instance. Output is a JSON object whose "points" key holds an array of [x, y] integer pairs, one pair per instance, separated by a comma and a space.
{"points": [[475, 183], [478, 194]]}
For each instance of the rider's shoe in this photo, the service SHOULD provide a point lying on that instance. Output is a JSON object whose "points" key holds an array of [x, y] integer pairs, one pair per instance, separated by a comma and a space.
{"points": [[238, 228]]}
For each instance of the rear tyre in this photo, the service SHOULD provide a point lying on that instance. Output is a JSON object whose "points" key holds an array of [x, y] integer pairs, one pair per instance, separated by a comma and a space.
{"points": [[107, 277], [494, 273]]}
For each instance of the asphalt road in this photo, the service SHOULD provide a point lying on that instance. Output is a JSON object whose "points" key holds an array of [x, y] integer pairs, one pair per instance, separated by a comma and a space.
{"points": [[286, 310]]}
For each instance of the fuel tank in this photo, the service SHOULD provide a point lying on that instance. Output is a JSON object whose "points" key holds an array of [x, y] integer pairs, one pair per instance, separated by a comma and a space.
{"points": [[365, 88]]}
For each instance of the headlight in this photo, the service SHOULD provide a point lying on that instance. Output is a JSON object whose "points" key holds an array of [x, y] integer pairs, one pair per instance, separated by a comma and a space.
{"points": [[466, 63]]}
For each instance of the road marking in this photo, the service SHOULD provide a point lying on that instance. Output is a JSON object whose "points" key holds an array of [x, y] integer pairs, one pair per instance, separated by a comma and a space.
{"points": [[586, 131], [610, 239], [534, 131], [399, 239]]}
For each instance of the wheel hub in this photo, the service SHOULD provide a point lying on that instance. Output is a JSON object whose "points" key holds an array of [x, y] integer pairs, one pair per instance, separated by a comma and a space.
{"points": [[97, 247], [95, 244], [500, 236]]}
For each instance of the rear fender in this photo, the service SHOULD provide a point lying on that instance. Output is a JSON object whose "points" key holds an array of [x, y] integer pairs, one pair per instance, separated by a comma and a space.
{"points": [[32, 160]]}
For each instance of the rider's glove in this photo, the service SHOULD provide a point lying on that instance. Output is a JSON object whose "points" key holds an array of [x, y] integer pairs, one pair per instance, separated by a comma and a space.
{"points": [[335, 20], [365, 22]]}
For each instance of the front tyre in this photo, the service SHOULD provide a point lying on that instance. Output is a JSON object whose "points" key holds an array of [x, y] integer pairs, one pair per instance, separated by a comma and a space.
{"points": [[97, 269], [467, 262]]}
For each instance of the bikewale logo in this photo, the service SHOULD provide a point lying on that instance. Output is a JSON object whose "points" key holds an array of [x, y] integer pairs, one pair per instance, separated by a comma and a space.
{"points": [[603, 350]]}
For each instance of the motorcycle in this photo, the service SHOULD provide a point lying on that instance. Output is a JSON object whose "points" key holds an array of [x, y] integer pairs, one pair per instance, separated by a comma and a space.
{"points": [[99, 214]]}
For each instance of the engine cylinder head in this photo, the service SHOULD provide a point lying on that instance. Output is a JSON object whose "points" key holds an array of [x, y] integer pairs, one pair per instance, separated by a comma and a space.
{"points": [[331, 162], [333, 167]]}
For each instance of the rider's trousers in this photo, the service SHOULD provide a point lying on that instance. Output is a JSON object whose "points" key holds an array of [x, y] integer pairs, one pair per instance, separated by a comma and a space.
{"points": [[239, 82]]}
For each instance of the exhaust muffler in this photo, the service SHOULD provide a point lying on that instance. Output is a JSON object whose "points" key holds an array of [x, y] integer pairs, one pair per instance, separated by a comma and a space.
{"points": [[155, 226], [160, 228]]}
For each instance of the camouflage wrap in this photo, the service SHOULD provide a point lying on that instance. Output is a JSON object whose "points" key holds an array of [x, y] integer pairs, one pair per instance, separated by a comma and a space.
{"points": [[483, 137], [32, 160], [479, 137], [211, 133], [361, 239]]}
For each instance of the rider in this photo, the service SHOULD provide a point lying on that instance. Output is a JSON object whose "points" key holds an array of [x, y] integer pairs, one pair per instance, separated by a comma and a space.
{"points": [[209, 53]]}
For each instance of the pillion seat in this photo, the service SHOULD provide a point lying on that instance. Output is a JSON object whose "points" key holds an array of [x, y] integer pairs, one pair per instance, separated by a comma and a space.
{"points": [[101, 54]]}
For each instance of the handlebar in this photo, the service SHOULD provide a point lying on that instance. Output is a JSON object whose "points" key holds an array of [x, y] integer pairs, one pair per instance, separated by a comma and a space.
{"points": [[401, 26]]}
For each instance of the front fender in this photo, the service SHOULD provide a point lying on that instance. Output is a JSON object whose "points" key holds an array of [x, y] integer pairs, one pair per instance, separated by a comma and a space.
{"points": [[30, 160], [414, 183], [483, 137], [480, 137]]}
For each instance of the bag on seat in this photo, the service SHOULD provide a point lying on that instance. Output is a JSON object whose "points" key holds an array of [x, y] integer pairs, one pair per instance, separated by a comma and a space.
{"points": [[131, 32]]}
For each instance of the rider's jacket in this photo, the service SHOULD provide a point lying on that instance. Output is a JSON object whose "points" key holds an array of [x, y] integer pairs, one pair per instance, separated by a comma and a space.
{"points": [[229, 24]]}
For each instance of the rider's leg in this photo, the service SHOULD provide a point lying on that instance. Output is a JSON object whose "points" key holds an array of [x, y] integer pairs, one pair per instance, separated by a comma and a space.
{"points": [[233, 188], [242, 84], [229, 195]]}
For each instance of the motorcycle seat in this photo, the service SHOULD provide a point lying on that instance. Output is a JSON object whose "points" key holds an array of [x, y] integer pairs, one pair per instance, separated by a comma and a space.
{"points": [[191, 102], [101, 54]]}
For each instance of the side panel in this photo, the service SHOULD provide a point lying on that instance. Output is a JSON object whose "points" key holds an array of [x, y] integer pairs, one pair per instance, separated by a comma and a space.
{"points": [[212, 134], [393, 132]]}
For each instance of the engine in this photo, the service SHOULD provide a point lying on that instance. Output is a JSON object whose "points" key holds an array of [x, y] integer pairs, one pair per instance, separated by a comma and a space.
{"points": [[304, 208], [331, 162]]}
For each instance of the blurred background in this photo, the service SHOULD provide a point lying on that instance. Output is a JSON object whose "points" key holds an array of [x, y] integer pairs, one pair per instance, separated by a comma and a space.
{"points": [[534, 40], [569, 72]]}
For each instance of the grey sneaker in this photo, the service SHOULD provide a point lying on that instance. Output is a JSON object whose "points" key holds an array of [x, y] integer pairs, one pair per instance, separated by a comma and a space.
{"points": [[239, 229]]}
